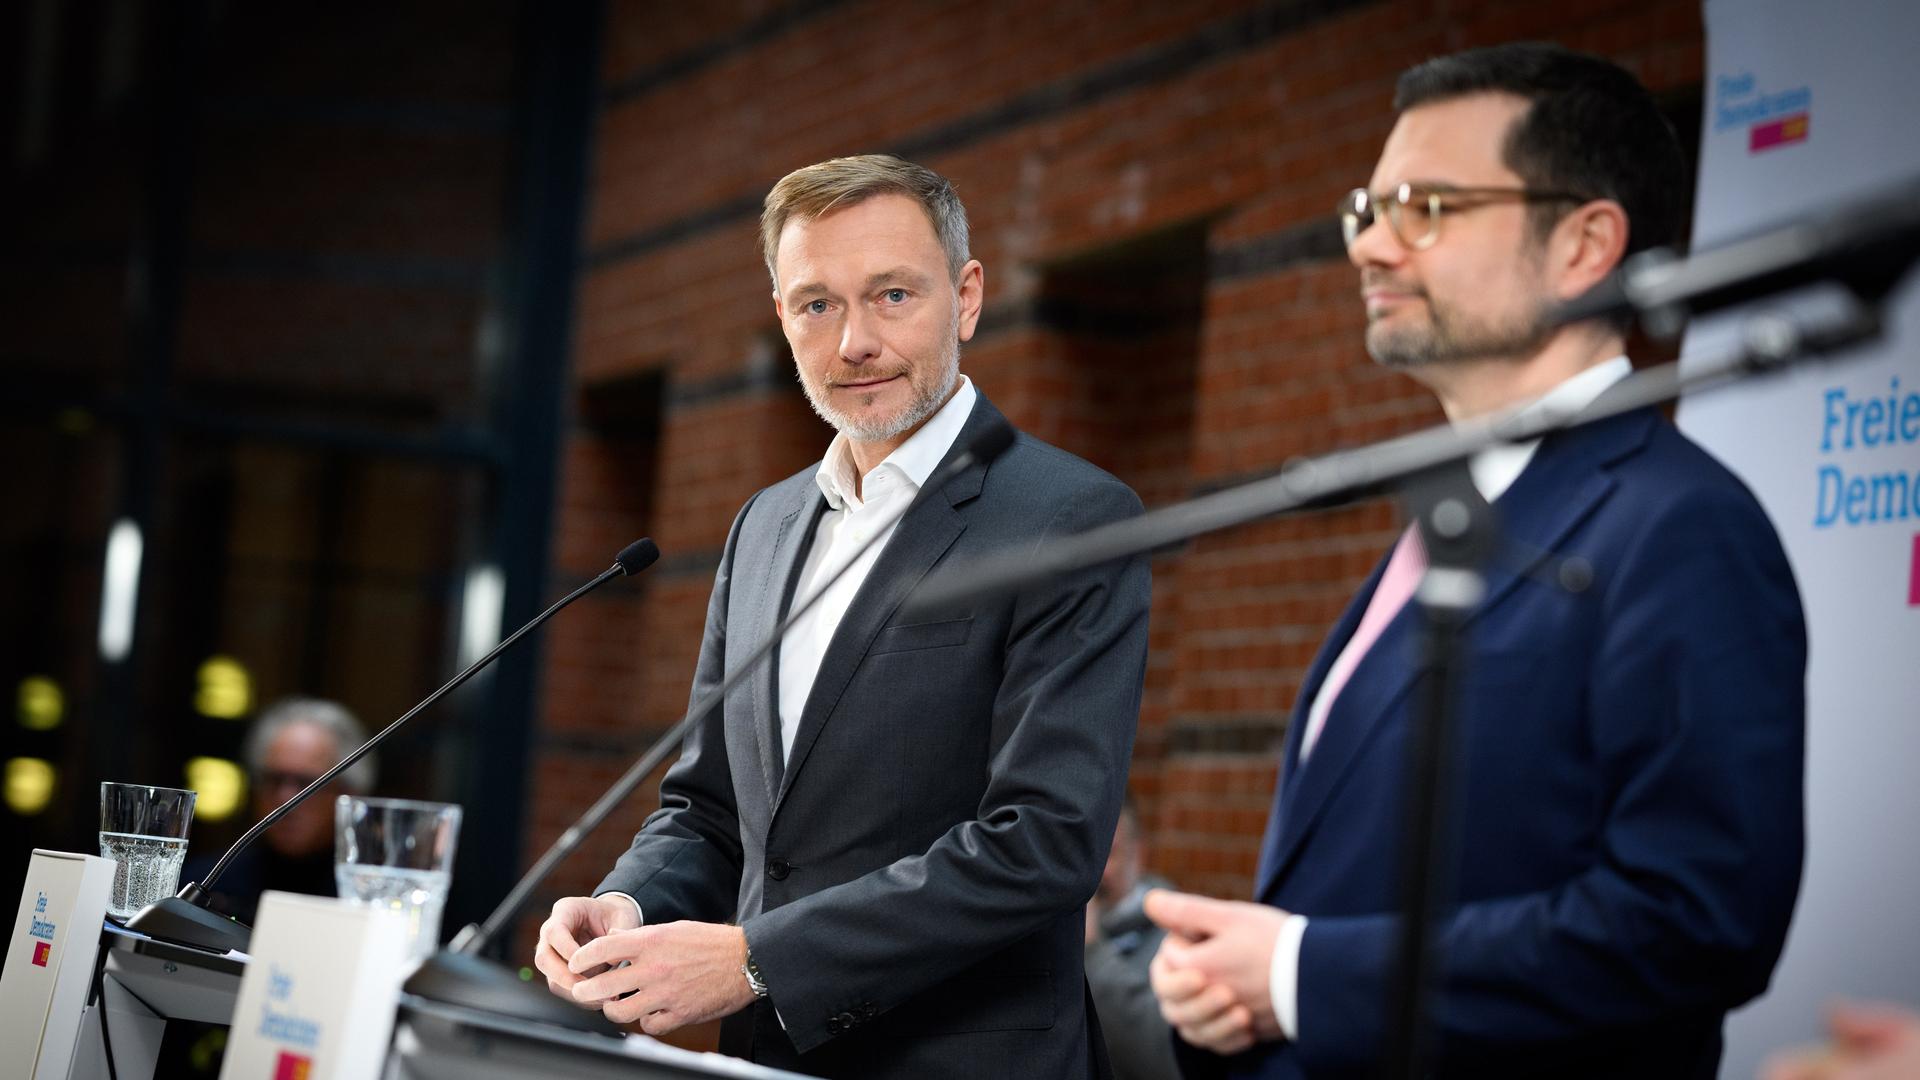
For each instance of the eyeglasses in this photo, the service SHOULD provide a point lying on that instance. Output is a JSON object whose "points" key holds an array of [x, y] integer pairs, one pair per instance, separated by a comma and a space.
{"points": [[1413, 210], [271, 779]]}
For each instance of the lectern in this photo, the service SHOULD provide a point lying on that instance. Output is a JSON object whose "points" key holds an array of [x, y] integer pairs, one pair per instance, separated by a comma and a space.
{"points": [[436, 1041], [144, 983]]}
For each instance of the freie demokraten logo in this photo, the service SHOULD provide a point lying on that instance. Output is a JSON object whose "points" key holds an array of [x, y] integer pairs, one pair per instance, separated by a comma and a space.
{"points": [[292, 1067], [1772, 118], [41, 930], [1865, 476]]}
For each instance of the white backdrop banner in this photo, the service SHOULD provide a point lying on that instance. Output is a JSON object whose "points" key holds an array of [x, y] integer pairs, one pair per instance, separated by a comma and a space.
{"points": [[1808, 105]]}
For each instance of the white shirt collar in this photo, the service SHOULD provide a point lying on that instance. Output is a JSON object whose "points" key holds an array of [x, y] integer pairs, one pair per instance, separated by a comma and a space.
{"points": [[1495, 469], [914, 460]]}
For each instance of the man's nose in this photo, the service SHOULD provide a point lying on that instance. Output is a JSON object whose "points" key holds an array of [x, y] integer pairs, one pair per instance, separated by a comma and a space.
{"points": [[859, 339], [1376, 245]]}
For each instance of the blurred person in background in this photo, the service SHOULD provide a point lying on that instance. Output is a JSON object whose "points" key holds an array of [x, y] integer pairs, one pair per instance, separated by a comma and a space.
{"points": [[1121, 941], [290, 745]]}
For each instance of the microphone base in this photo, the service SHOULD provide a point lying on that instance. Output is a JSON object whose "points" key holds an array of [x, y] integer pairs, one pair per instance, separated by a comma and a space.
{"points": [[473, 983], [184, 923]]}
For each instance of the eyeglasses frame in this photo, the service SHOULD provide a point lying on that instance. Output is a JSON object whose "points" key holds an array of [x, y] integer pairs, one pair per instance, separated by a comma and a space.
{"points": [[1437, 197]]}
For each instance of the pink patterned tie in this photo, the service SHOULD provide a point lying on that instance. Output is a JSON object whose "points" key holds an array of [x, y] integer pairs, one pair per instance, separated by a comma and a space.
{"points": [[1397, 582]]}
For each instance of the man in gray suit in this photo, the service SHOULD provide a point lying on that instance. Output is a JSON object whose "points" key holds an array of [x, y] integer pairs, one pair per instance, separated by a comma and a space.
{"points": [[873, 858]]}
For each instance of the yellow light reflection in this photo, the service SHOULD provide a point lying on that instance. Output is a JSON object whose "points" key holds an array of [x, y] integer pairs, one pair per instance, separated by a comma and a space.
{"points": [[29, 785], [42, 705], [222, 785], [226, 690]]}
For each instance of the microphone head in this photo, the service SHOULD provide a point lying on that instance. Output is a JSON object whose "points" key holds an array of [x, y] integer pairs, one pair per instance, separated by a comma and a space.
{"points": [[637, 556], [991, 442]]}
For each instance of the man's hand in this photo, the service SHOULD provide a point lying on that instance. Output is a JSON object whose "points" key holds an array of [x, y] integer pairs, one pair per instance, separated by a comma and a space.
{"points": [[1204, 1013], [1870, 1042], [575, 920], [675, 974], [1213, 971]]}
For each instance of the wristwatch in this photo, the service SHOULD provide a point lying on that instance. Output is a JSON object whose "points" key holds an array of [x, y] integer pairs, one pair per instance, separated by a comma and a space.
{"points": [[754, 982]]}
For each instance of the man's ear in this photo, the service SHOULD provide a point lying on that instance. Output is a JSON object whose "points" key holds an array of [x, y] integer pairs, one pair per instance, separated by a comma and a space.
{"points": [[779, 309], [971, 292], [1587, 245]]}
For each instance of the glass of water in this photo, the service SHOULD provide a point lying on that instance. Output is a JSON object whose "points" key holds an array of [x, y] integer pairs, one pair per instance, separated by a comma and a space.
{"points": [[143, 829], [397, 854]]}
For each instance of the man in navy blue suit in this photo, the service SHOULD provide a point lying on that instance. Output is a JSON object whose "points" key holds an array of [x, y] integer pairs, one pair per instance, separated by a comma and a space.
{"points": [[1628, 823]]}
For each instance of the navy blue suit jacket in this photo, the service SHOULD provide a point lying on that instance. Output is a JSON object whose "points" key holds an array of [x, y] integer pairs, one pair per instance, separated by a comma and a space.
{"points": [[1628, 800]]}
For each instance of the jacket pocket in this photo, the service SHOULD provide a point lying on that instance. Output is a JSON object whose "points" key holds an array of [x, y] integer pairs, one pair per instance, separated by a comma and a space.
{"points": [[933, 635]]}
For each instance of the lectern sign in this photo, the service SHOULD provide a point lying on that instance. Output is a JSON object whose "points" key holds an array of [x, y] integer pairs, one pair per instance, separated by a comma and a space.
{"points": [[41, 930], [318, 998], [49, 959]]}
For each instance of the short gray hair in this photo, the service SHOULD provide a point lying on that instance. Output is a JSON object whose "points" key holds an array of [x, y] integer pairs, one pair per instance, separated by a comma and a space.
{"points": [[329, 716], [810, 192]]}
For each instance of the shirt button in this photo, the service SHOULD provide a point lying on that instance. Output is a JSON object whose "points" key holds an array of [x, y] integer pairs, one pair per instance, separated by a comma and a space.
{"points": [[778, 869]]}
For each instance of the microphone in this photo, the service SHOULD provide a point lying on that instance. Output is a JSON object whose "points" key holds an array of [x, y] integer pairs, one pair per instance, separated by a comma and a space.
{"points": [[184, 919], [1868, 245], [458, 975]]}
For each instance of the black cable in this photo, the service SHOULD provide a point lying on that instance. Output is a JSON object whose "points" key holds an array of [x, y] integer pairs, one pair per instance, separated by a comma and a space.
{"points": [[100, 1004]]}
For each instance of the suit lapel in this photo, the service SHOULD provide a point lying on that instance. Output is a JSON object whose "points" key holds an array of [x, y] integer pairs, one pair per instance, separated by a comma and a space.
{"points": [[791, 543], [1336, 640], [1561, 487], [922, 538], [1563, 484]]}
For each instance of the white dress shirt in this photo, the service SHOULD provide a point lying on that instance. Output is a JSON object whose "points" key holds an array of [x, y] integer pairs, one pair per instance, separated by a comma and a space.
{"points": [[1494, 470], [857, 511]]}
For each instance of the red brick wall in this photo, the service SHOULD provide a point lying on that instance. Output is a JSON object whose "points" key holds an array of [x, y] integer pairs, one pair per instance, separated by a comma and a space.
{"points": [[1068, 128]]}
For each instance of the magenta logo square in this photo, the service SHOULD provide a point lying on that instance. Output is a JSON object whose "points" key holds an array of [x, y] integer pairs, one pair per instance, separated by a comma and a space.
{"points": [[1913, 576]]}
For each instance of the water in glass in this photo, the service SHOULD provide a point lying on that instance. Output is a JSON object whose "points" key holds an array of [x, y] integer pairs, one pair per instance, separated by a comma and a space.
{"points": [[146, 869]]}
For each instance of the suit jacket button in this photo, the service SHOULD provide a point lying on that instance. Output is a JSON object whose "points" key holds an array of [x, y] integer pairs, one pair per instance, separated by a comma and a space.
{"points": [[833, 1025], [847, 1020], [778, 869]]}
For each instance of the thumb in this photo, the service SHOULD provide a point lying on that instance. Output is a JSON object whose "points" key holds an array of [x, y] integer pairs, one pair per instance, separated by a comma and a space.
{"points": [[1190, 916]]}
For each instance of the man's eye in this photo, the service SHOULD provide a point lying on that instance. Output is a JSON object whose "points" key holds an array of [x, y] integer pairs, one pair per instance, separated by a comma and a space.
{"points": [[895, 296], [816, 307]]}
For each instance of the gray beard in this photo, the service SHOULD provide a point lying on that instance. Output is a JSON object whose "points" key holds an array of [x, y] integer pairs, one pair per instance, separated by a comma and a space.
{"points": [[926, 400]]}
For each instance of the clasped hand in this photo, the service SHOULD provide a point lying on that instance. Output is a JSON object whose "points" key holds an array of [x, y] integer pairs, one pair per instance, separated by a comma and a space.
{"points": [[595, 954], [1213, 972]]}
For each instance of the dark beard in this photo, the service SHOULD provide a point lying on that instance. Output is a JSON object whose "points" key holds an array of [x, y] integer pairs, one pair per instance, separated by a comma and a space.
{"points": [[1443, 341]]}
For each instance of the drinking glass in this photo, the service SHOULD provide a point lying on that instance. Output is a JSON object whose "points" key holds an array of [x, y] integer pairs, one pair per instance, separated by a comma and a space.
{"points": [[397, 854], [143, 829]]}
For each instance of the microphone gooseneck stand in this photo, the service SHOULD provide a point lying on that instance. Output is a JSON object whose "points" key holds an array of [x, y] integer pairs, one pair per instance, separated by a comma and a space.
{"points": [[184, 919], [459, 975]]}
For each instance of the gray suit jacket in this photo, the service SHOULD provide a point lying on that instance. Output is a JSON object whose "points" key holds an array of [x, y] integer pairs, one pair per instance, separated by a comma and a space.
{"points": [[911, 882]]}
